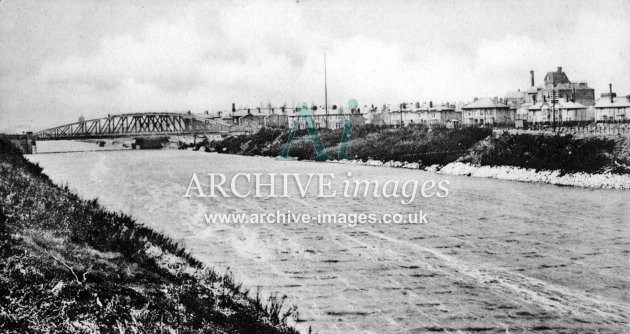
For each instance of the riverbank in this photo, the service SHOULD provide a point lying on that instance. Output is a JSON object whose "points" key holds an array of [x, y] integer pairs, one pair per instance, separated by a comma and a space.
{"points": [[561, 160], [495, 255], [585, 180], [67, 265], [510, 173]]}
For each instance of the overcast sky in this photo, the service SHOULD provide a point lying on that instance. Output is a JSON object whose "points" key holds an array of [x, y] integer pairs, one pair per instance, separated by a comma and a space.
{"points": [[63, 59]]}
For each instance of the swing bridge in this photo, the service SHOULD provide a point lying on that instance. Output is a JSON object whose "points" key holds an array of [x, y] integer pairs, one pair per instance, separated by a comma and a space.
{"points": [[136, 124]]}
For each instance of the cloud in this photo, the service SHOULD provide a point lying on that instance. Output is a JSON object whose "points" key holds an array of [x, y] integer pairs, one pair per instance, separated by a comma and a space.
{"points": [[165, 56], [206, 57]]}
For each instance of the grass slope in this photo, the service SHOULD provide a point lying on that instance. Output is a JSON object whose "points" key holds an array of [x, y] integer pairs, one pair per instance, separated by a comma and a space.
{"points": [[411, 144], [442, 146], [563, 153], [69, 266]]}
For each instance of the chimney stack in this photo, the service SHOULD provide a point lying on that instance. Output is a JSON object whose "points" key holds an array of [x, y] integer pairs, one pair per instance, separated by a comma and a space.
{"points": [[559, 69], [611, 93], [532, 76]]}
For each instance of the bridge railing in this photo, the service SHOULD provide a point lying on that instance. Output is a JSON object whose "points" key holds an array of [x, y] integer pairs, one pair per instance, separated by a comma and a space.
{"points": [[135, 124]]}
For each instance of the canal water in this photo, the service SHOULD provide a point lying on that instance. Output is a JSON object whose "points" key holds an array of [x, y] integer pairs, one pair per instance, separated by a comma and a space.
{"points": [[494, 255]]}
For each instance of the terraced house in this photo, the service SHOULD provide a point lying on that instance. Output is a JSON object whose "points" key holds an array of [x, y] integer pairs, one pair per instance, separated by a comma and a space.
{"points": [[487, 111], [612, 109], [331, 120], [426, 113]]}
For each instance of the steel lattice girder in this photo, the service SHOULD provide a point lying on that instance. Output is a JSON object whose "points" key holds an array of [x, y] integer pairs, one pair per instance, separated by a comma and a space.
{"points": [[135, 124]]}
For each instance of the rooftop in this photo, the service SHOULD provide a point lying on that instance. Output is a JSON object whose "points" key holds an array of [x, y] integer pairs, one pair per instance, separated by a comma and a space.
{"points": [[486, 103], [570, 105], [559, 105], [515, 95], [557, 77], [618, 102]]}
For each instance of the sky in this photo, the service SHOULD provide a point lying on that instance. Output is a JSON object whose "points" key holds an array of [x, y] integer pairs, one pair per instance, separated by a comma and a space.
{"points": [[60, 60]]}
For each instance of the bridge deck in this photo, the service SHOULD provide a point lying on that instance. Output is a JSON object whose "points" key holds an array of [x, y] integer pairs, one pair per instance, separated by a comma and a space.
{"points": [[127, 125]]}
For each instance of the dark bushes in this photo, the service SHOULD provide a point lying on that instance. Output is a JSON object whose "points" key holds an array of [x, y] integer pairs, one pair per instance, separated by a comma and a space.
{"points": [[429, 146], [563, 153], [255, 144], [411, 144]]}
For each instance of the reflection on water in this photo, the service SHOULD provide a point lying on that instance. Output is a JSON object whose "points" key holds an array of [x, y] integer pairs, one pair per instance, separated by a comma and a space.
{"points": [[495, 254]]}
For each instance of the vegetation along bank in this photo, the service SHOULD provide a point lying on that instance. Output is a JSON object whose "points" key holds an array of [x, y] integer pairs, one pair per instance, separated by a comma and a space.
{"points": [[67, 265], [590, 162]]}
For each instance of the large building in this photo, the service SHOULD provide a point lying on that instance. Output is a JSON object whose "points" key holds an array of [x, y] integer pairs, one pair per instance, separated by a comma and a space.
{"points": [[557, 82], [565, 111]]}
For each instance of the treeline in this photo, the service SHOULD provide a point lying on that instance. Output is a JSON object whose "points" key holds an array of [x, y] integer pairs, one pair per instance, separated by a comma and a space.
{"points": [[69, 266]]}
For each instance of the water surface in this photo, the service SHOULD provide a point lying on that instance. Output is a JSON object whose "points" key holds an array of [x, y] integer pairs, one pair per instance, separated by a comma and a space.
{"points": [[495, 255]]}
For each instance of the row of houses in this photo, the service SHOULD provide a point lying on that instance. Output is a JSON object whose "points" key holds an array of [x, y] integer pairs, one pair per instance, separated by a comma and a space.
{"points": [[557, 100], [255, 118], [413, 113]]}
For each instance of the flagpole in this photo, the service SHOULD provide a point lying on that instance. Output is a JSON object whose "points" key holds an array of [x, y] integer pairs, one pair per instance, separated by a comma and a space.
{"points": [[325, 91]]}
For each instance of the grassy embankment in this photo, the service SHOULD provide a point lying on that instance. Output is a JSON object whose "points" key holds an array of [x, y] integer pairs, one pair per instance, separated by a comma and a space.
{"points": [[442, 146], [414, 144], [563, 153], [69, 266]]}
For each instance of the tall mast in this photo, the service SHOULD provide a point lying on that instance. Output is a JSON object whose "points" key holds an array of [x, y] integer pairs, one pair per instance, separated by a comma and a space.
{"points": [[325, 91]]}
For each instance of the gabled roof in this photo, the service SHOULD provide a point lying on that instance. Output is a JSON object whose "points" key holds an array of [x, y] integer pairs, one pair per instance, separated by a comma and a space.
{"points": [[557, 77], [618, 102], [486, 103], [570, 105], [559, 105]]}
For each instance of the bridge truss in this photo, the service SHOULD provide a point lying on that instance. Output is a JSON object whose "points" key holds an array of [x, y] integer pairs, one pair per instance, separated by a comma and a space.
{"points": [[127, 125]]}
